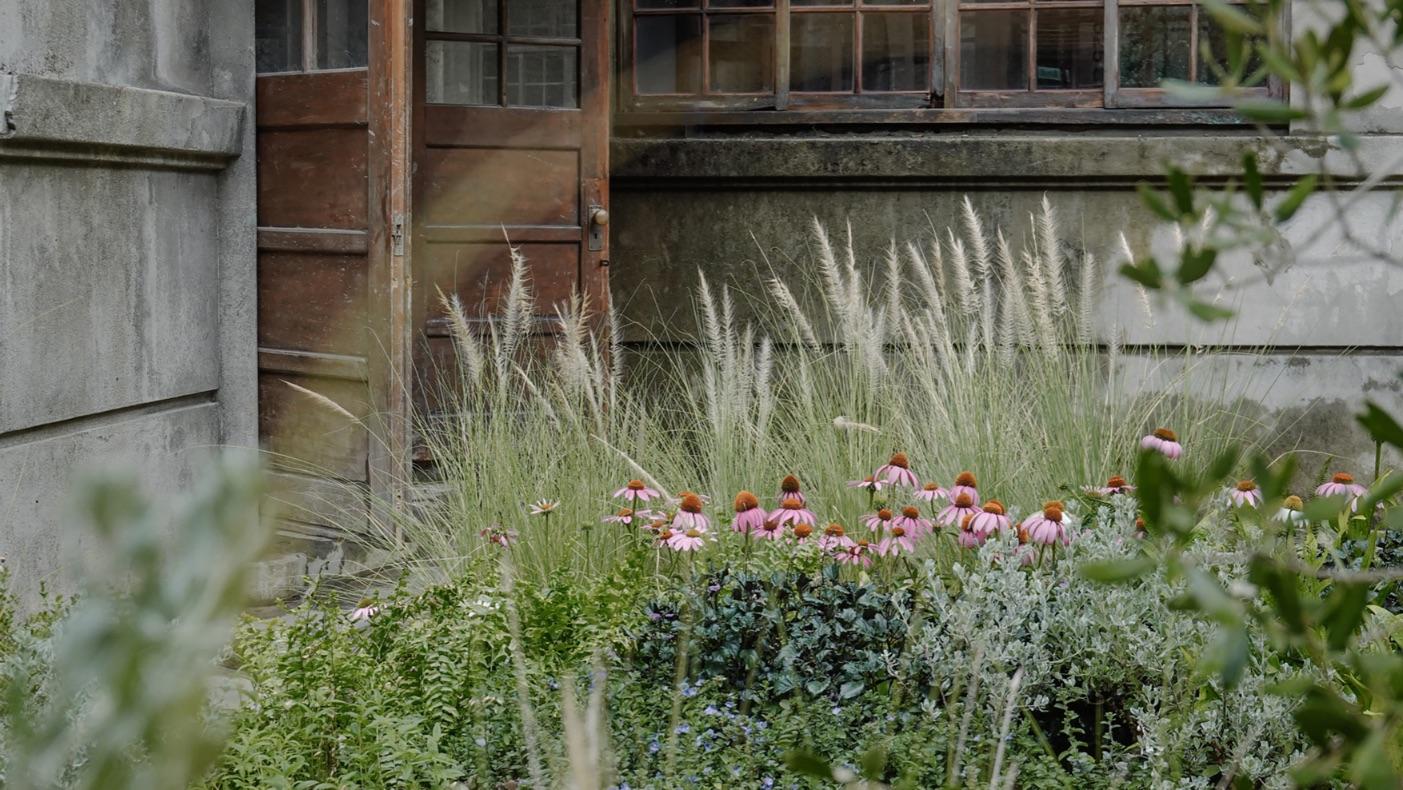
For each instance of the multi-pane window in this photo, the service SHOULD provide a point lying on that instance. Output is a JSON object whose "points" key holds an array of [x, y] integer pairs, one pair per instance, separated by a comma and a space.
{"points": [[682, 55], [310, 35], [471, 44]]}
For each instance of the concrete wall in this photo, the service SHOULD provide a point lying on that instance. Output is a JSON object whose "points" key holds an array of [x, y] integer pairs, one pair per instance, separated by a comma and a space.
{"points": [[739, 207], [127, 333]]}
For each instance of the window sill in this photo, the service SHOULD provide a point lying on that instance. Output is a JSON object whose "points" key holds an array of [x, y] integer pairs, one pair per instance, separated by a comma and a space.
{"points": [[1031, 116]]}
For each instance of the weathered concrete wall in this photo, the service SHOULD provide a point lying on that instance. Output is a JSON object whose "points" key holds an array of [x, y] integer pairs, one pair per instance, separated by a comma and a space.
{"points": [[127, 333], [740, 208]]}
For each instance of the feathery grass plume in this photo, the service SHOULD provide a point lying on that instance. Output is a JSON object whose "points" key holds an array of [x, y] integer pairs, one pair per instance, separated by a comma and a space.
{"points": [[516, 318], [930, 289], [1050, 247], [616, 353], [828, 266], [1047, 337], [893, 283], [571, 358], [1088, 295], [1142, 295], [323, 400], [789, 306], [465, 343], [978, 244], [1016, 311], [959, 272]]}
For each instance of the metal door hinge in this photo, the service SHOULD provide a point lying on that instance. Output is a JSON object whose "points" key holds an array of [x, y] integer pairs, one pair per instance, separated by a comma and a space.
{"points": [[397, 234]]}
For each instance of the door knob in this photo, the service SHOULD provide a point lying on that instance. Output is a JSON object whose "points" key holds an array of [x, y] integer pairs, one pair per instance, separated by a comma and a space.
{"points": [[599, 217]]}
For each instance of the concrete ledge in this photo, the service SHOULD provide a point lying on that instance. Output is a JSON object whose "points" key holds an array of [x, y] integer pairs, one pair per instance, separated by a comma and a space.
{"points": [[983, 160], [46, 118]]}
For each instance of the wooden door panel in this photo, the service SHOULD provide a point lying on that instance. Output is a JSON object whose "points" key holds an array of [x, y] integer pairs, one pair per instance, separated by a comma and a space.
{"points": [[308, 436], [480, 274], [493, 186], [312, 302], [329, 98], [313, 178]]}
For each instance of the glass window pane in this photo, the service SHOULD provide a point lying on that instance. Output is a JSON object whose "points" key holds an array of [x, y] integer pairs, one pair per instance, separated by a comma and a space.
{"points": [[545, 18], [821, 52], [742, 53], [461, 72], [342, 33], [1214, 39], [820, 2], [741, 4], [668, 52], [1071, 48], [894, 2], [1154, 45], [540, 76], [895, 52], [994, 50], [669, 3], [462, 16], [277, 35]]}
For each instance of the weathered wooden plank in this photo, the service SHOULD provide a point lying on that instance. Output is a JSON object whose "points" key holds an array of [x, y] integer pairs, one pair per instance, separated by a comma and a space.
{"points": [[313, 302], [312, 178], [330, 98]]}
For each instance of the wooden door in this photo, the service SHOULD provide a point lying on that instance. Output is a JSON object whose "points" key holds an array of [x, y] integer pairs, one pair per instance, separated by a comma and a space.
{"points": [[511, 144], [329, 278]]}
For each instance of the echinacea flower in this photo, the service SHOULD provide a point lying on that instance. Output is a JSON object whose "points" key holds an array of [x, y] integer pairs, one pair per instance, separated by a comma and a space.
{"points": [[789, 489], [365, 610], [898, 541], [967, 537], [1342, 484], [544, 507], [627, 516], [792, 511], [869, 484], [499, 536], [771, 529], [931, 492], [1140, 525], [858, 552], [961, 505], [910, 520], [834, 538], [802, 532], [1164, 441], [989, 521], [965, 484], [1116, 485], [879, 522], [689, 513], [749, 515], [1047, 528], [1290, 512], [1245, 494], [691, 540], [897, 471], [635, 491]]}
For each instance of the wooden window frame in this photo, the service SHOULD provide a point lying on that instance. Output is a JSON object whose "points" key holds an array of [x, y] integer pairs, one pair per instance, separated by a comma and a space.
{"points": [[310, 48], [945, 101], [503, 39]]}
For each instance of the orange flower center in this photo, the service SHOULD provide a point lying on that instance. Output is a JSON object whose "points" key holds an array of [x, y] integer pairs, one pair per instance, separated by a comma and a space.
{"points": [[625, 513], [964, 500], [966, 521], [636, 485], [665, 535], [1053, 514], [1343, 477], [1057, 503], [691, 503], [1246, 485], [1140, 523], [900, 460], [1022, 534], [966, 479], [910, 512], [884, 514], [803, 531], [897, 532], [927, 486], [694, 533], [791, 503], [1294, 502], [1165, 434], [833, 530], [862, 543], [746, 501], [1116, 482], [994, 506], [789, 485]]}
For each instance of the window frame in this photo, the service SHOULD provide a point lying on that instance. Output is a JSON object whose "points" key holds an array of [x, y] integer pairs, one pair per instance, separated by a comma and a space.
{"points": [[503, 39], [945, 101], [310, 40]]}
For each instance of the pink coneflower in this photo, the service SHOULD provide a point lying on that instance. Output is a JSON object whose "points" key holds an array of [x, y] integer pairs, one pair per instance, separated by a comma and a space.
{"points": [[858, 552], [498, 535], [1245, 494], [931, 492], [1342, 484], [1116, 485], [967, 537], [802, 532], [911, 521], [664, 535], [961, 505], [988, 522], [1290, 512], [365, 610], [772, 529], [691, 540], [749, 515], [869, 484], [879, 522], [1140, 526], [689, 513], [544, 507], [636, 492], [1164, 441], [1046, 528], [897, 471], [898, 541], [627, 516], [834, 538], [789, 489], [792, 511], [965, 484]]}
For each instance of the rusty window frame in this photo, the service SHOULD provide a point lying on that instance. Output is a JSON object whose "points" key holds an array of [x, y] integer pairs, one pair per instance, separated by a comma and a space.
{"points": [[502, 39]]}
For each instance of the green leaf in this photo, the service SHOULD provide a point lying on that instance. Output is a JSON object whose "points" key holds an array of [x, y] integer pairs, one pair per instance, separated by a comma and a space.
{"points": [[1381, 491], [1232, 650], [1365, 99], [1232, 18], [806, 763], [1381, 425], [1370, 767], [1115, 571], [1269, 111], [1344, 612], [1252, 178], [1182, 188], [1278, 63], [873, 762], [851, 689], [1146, 273], [1292, 202], [1207, 312], [1324, 508], [1155, 203], [1195, 264], [1285, 596]]}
